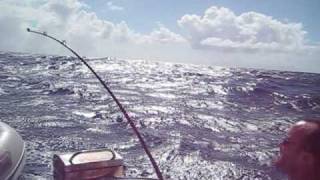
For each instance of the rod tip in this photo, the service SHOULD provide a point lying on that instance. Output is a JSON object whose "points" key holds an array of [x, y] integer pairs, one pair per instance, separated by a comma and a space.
{"points": [[28, 29]]}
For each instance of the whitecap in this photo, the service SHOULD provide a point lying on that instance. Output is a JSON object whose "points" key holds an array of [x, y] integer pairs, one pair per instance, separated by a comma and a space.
{"points": [[163, 95], [2, 91], [86, 114], [218, 89]]}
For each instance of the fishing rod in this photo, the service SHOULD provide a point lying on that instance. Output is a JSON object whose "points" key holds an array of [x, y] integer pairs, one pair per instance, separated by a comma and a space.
{"points": [[142, 142]]}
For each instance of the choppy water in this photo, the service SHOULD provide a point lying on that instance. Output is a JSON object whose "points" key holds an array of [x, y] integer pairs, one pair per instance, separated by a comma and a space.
{"points": [[200, 122]]}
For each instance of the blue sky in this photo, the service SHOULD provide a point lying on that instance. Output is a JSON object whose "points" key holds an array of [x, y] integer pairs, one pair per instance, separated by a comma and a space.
{"points": [[265, 34], [143, 15]]}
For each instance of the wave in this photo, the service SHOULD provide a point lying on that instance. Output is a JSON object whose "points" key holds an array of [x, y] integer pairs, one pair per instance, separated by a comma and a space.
{"points": [[61, 91], [200, 121]]}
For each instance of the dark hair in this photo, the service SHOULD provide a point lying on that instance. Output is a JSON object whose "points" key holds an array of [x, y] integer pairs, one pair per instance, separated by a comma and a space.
{"points": [[312, 141]]}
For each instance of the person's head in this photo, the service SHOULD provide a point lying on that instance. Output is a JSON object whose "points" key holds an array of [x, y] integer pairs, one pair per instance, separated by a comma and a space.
{"points": [[300, 151]]}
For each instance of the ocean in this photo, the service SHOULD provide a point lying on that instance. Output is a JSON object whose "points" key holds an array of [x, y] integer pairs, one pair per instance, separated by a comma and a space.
{"points": [[200, 122]]}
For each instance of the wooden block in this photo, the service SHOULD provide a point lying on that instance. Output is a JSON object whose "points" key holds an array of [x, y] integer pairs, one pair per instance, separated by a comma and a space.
{"points": [[84, 165]]}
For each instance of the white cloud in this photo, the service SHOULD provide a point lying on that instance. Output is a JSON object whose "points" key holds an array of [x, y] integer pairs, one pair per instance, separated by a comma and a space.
{"points": [[221, 28], [162, 35], [113, 7], [70, 20], [218, 28]]}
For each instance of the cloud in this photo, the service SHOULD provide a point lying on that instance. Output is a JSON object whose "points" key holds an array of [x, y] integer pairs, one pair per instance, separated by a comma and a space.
{"points": [[70, 20], [113, 7], [220, 28], [219, 37], [162, 35]]}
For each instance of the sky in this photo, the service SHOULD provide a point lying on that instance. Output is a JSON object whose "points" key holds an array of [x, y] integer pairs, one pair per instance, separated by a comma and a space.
{"points": [[264, 34]]}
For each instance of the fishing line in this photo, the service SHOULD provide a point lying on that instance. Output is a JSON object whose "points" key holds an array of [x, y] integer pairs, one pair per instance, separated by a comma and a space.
{"points": [[142, 142]]}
